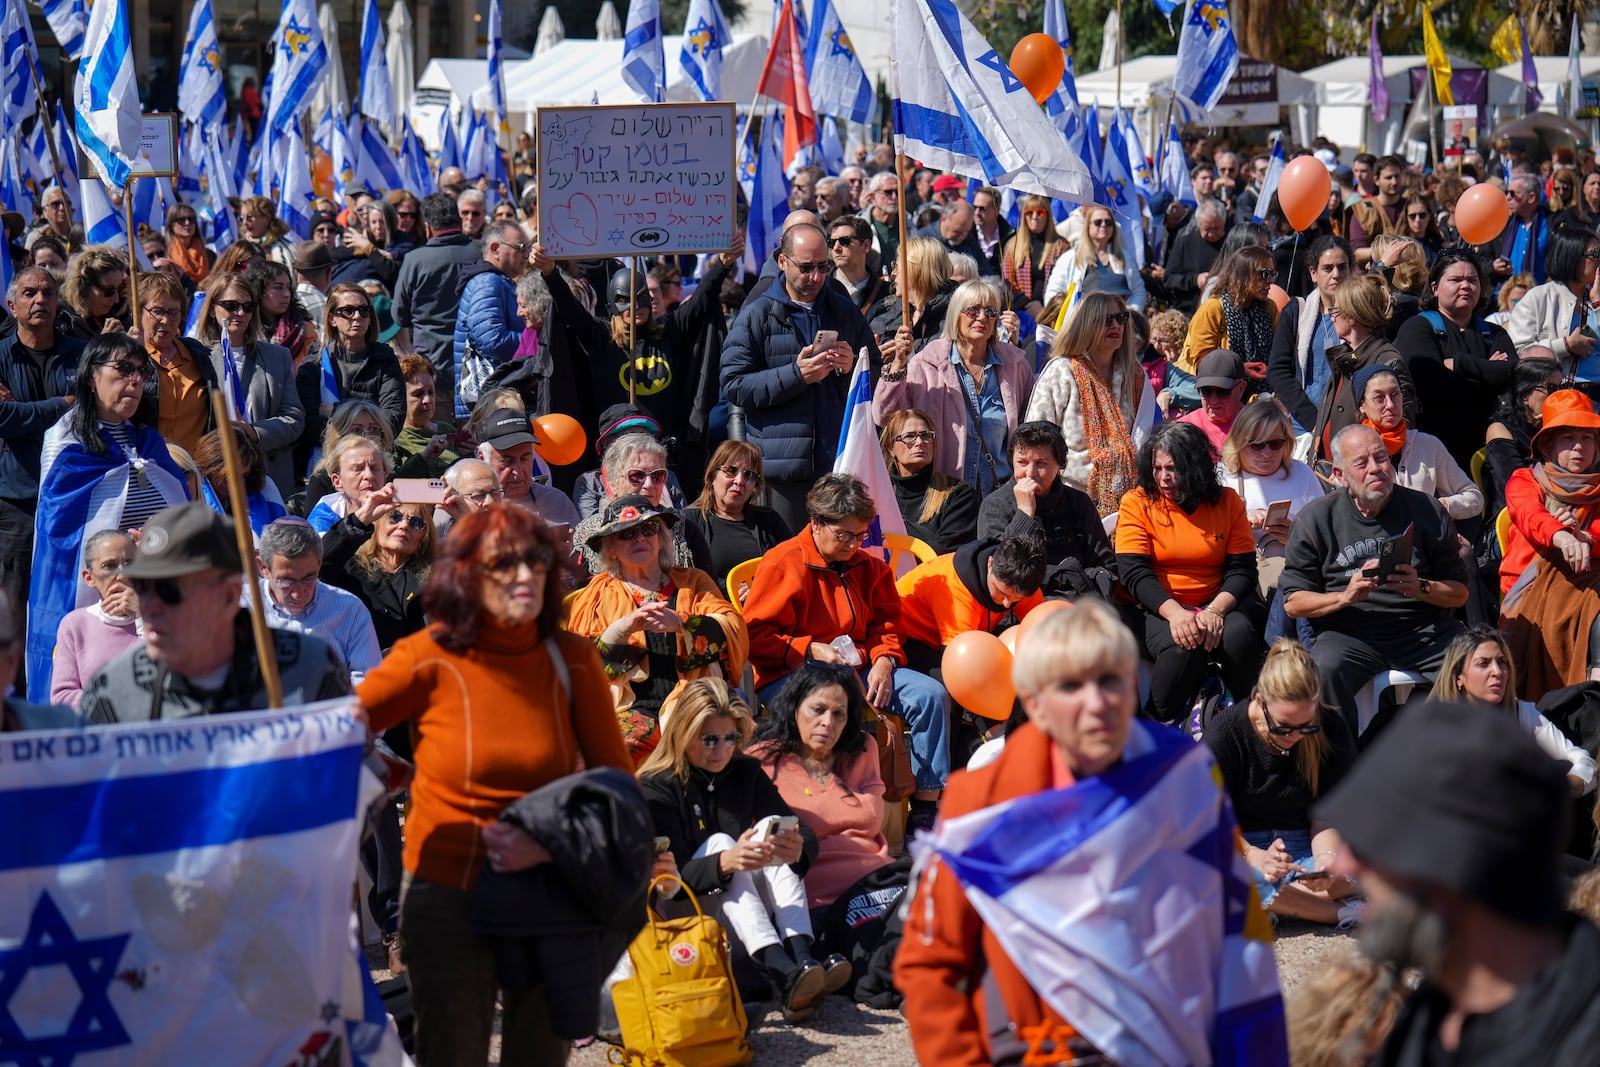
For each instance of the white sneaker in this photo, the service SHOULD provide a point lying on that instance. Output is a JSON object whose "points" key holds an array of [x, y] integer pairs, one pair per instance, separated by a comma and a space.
{"points": [[1350, 914]]}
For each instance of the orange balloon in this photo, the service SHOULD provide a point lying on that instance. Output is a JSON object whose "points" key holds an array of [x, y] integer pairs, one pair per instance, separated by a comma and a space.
{"points": [[1009, 639], [1279, 297], [1303, 191], [977, 671], [1039, 63], [1481, 214], [561, 439], [1039, 614]]}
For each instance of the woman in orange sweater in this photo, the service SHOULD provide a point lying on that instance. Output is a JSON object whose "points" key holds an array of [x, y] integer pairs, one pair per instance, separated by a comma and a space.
{"points": [[1187, 557], [500, 702]]}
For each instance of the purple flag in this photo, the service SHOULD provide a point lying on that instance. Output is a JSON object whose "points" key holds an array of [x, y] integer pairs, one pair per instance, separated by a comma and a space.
{"points": [[1377, 89], [1530, 73]]}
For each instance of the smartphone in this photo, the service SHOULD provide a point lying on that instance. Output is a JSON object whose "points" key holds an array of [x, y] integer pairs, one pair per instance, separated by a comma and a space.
{"points": [[789, 823], [663, 844], [766, 828], [419, 490], [1393, 552], [825, 339], [1277, 512], [1307, 876]]}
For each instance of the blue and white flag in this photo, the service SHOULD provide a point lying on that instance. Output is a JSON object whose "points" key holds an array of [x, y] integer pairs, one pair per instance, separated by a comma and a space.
{"points": [[1175, 170], [151, 197], [838, 83], [18, 97], [36, 154], [1153, 835], [414, 162], [769, 203], [238, 154], [705, 33], [861, 455], [748, 150], [67, 149], [328, 381], [102, 222], [1055, 24], [13, 190], [1208, 54], [1122, 196], [377, 92], [376, 168], [1166, 7], [215, 927], [234, 394], [1269, 184], [831, 147], [644, 57], [479, 146], [202, 86], [959, 107], [296, 195], [344, 155], [494, 90], [107, 94], [224, 227], [449, 144], [191, 163], [68, 20], [1138, 162], [300, 61]]}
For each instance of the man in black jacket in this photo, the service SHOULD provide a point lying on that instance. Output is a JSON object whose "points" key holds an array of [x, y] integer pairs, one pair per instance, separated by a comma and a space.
{"points": [[37, 366], [428, 290], [1193, 254]]}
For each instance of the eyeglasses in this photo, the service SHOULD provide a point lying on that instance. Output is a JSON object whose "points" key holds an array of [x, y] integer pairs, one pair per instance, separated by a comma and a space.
{"points": [[352, 312], [483, 496], [842, 242], [1116, 318], [415, 522], [1277, 729], [127, 368], [514, 246], [1274, 445], [648, 528], [1213, 392], [167, 590], [646, 477], [405, 214], [715, 740], [237, 307], [846, 536], [913, 437], [504, 568], [733, 474], [1267, 274], [811, 268], [112, 566], [120, 291], [973, 311], [287, 584], [166, 314]]}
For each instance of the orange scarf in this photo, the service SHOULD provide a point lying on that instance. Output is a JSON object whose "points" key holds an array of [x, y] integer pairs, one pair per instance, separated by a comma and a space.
{"points": [[1113, 461], [1394, 441], [194, 260]]}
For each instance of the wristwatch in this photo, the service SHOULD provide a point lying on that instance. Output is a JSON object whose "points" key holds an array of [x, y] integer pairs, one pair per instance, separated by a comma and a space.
{"points": [[1424, 587]]}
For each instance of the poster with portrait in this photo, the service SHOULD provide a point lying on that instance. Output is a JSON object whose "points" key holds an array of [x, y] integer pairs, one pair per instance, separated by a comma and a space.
{"points": [[1460, 130]]}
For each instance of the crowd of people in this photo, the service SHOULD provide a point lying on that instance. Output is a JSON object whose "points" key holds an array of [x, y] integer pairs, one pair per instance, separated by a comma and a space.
{"points": [[1281, 479]]}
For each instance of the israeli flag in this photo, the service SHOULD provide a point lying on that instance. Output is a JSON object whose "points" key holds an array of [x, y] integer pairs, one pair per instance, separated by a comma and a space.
{"points": [[216, 925], [150, 199], [1153, 835], [449, 144], [1122, 196], [644, 59], [1166, 7], [102, 222], [769, 204], [202, 87], [191, 162], [1055, 24], [300, 61], [748, 150], [238, 154], [18, 98], [831, 147], [107, 94], [475, 157], [328, 381], [68, 19], [234, 394], [414, 162], [705, 32], [1207, 53], [860, 455], [13, 191], [1269, 184], [377, 92], [1175, 170], [343, 154], [838, 83], [376, 169], [36, 154], [224, 227], [1093, 156], [494, 90], [294, 207], [1138, 164], [960, 108]]}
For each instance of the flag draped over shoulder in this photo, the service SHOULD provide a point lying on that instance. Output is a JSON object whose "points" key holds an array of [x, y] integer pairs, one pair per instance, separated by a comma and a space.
{"points": [[860, 455], [107, 94], [213, 928], [1070, 880], [1208, 54], [1438, 61], [959, 107]]}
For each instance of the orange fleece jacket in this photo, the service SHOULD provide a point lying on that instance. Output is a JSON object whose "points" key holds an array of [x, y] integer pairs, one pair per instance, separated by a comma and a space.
{"points": [[936, 605]]}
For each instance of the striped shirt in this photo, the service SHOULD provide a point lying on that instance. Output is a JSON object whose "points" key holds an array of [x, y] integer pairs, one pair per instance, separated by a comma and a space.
{"points": [[144, 499]]}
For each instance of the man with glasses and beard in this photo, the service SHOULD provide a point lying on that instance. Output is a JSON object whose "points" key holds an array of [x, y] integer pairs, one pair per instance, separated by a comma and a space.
{"points": [[198, 656], [1454, 825], [1373, 607]]}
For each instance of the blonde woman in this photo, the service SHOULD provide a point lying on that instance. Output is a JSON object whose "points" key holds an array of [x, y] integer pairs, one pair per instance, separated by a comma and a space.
{"points": [[1030, 256], [259, 217], [1278, 753], [1095, 390], [1097, 263], [1404, 263], [95, 294], [973, 386], [936, 508], [927, 288]]}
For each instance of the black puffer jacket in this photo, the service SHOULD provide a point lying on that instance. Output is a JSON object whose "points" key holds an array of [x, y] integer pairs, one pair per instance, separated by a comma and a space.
{"points": [[564, 922], [729, 802]]}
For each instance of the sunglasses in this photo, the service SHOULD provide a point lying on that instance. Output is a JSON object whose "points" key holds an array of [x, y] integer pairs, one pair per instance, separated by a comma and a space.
{"points": [[973, 311], [166, 590], [842, 242], [1116, 318], [1593, 253], [237, 307], [1097, 223], [1213, 392], [537, 559], [405, 214], [186, 220], [646, 477], [120, 291], [811, 268], [351, 313], [715, 740], [1036, 214], [1274, 445], [735, 473], [415, 522], [1277, 729], [1423, 217], [641, 531], [127, 368]]}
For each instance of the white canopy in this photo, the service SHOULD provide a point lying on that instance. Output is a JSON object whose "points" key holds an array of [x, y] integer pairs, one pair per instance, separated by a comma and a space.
{"points": [[1552, 70], [1147, 85], [577, 71], [1344, 100]]}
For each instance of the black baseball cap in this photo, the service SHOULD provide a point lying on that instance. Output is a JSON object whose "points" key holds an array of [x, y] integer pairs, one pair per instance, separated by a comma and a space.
{"points": [[185, 539], [508, 428]]}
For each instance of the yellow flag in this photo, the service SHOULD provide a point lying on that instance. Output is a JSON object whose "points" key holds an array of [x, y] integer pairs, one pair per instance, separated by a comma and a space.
{"points": [[1505, 42], [1438, 62]]}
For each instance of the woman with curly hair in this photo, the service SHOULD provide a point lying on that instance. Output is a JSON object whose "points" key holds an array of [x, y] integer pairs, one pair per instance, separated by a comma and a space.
{"points": [[95, 295]]}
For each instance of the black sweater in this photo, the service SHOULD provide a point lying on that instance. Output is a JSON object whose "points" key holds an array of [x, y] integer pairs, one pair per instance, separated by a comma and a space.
{"points": [[1265, 787], [953, 525]]}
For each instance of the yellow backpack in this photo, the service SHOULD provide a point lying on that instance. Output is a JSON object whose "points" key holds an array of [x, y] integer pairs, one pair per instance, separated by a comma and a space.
{"points": [[680, 1008]]}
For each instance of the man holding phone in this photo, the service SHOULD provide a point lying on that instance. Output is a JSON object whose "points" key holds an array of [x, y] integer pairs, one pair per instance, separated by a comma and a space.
{"points": [[1366, 624], [787, 364]]}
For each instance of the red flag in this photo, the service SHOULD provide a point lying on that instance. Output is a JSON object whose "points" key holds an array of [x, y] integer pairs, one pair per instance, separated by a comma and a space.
{"points": [[783, 79]]}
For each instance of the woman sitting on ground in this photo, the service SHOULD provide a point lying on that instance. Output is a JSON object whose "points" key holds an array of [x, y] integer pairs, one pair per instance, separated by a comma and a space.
{"points": [[934, 507], [734, 526], [714, 804], [1478, 669], [656, 624], [1278, 753], [1508, 444]]}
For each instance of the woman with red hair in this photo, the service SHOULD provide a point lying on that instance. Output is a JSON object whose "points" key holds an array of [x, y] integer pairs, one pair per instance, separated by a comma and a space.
{"points": [[501, 701]]}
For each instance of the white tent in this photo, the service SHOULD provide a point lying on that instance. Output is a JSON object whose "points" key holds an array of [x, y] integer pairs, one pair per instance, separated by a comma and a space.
{"points": [[1147, 86], [445, 83], [1506, 99], [583, 71], [1344, 100]]}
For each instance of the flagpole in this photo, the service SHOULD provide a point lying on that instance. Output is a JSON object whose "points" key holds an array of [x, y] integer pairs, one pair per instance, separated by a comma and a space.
{"points": [[1433, 121], [633, 319], [1166, 127], [133, 260], [750, 118], [247, 549], [1119, 65], [50, 134]]}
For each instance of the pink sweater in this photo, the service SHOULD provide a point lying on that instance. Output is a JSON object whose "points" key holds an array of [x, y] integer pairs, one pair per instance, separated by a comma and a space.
{"points": [[85, 643], [846, 816]]}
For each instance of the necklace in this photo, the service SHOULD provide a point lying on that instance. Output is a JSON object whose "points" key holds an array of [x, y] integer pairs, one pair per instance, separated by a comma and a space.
{"points": [[820, 772], [641, 595], [1277, 749]]}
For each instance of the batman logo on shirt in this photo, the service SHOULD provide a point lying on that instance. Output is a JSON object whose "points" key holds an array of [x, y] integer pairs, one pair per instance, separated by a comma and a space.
{"points": [[652, 374]]}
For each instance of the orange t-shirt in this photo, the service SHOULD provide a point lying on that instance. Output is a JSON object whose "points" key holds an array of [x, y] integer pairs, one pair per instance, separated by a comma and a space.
{"points": [[1187, 552]]}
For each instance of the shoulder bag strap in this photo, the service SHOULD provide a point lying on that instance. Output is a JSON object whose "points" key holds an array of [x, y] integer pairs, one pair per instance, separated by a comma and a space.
{"points": [[977, 425], [558, 663]]}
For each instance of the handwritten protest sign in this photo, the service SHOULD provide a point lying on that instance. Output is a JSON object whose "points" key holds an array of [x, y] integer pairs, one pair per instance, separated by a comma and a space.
{"points": [[637, 179]]}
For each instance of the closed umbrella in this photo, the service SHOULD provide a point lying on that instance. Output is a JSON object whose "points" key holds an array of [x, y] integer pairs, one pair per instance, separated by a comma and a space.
{"points": [[401, 52], [551, 31], [608, 27], [1111, 41]]}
